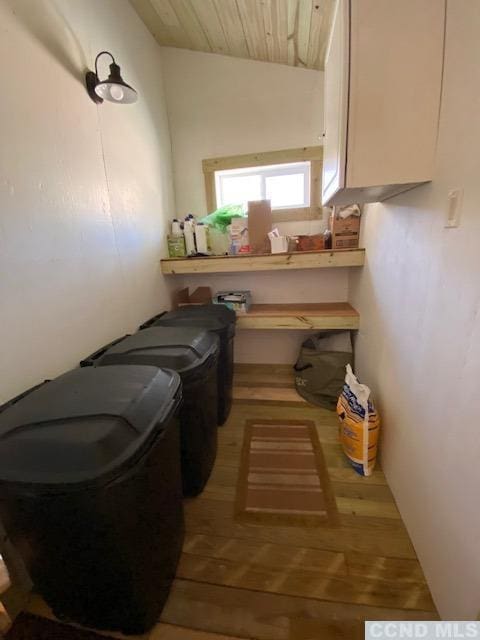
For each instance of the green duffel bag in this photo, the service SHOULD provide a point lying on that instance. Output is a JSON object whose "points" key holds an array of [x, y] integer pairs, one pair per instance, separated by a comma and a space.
{"points": [[320, 368]]}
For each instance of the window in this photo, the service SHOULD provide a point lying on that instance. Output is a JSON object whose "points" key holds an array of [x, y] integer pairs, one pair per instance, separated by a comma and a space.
{"points": [[290, 179], [285, 185]]}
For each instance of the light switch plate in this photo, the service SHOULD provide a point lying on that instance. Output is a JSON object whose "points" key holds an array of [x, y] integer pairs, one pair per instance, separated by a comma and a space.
{"points": [[454, 208]]}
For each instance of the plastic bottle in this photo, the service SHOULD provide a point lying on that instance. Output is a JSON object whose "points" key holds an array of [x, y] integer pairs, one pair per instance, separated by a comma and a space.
{"points": [[176, 240], [188, 230], [176, 228], [201, 238]]}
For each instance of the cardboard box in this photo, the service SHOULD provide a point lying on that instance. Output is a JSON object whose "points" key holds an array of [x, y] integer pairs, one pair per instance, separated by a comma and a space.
{"points": [[259, 224], [345, 231], [183, 297], [311, 243]]}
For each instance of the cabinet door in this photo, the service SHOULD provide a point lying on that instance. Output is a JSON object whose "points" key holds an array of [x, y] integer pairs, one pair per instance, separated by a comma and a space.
{"points": [[336, 103]]}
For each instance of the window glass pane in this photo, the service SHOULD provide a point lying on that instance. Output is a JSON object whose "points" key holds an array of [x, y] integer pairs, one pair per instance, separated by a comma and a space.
{"points": [[286, 185], [286, 191], [240, 189]]}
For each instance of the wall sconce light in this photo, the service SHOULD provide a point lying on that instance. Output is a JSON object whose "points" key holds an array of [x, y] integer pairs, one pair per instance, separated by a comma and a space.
{"points": [[113, 89]]}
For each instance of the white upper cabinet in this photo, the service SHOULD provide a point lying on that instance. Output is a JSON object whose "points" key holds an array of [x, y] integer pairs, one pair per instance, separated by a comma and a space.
{"points": [[383, 79]]}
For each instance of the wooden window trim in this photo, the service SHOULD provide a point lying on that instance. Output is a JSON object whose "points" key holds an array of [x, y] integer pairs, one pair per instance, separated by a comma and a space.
{"points": [[312, 154]]}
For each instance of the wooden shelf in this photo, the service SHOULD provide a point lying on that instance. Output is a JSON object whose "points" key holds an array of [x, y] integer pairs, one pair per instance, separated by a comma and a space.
{"points": [[268, 262], [329, 315]]}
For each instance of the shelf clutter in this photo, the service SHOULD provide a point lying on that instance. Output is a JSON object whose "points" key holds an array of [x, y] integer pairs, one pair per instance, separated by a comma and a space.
{"points": [[265, 262], [253, 244]]}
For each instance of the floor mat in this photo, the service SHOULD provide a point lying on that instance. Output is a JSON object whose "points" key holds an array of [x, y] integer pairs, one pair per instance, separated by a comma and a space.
{"points": [[30, 627], [283, 478]]}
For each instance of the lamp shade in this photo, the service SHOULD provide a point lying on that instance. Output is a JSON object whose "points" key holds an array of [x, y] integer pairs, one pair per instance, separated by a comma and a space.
{"points": [[114, 89]]}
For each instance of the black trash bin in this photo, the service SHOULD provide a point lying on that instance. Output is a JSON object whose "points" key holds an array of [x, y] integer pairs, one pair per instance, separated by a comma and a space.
{"points": [[90, 492], [220, 320], [193, 353]]}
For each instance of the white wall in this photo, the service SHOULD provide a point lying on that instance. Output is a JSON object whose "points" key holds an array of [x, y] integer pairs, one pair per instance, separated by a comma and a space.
{"points": [[85, 190], [419, 344], [221, 106]]}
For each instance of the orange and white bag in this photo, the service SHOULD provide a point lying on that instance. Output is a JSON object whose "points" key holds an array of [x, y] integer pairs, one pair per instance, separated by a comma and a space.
{"points": [[359, 424]]}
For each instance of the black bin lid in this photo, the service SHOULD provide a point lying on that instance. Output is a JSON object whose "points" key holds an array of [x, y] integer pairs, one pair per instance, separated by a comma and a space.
{"points": [[84, 426], [213, 317], [184, 349]]}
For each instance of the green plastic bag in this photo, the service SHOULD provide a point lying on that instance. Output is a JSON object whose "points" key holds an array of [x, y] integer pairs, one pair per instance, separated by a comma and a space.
{"points": [[221, 218]]}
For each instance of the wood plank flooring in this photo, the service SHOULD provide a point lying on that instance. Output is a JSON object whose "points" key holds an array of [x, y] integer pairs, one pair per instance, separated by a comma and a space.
{"points": [[290, 583], [285, 583]]}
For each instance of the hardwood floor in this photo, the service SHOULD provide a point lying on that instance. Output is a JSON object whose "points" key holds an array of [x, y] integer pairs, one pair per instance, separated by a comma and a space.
{"points": [[290, 583]]}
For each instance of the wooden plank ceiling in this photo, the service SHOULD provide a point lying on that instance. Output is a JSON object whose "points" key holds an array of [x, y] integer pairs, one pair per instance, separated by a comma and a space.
{"points": [[293, 32]]}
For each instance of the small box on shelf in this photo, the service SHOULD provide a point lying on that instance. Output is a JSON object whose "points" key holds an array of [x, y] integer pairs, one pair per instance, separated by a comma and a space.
{"points": [[238, 301], [314, 242], [345, 227]]}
